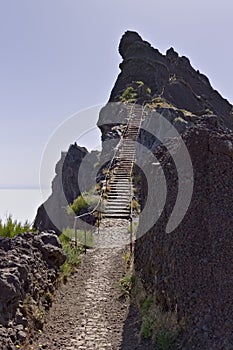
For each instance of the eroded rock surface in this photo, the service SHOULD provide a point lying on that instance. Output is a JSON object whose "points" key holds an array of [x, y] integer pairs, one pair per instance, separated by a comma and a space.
{"points": [[29, 267], [190, 268]]}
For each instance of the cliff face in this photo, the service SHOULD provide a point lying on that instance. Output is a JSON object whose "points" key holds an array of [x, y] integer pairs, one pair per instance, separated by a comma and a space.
{"points": [[52, 215], [188, 270]]}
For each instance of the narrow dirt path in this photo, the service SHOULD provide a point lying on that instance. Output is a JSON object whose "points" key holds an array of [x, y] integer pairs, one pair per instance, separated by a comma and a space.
{"points": [[90, 312]]}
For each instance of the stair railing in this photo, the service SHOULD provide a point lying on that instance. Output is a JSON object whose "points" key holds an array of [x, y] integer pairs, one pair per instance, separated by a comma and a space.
{"points": [[98, 207], [131, 182]]}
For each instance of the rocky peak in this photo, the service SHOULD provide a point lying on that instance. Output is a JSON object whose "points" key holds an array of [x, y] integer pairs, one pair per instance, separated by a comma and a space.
{"points": [[128, 39], [172, 55], [188, 271], [169, 76]]}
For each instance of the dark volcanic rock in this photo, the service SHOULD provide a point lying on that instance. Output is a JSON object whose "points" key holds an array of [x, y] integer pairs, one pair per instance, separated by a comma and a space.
{"points": [[29, 267], [190, 269], [52, 215], [169, 76]]}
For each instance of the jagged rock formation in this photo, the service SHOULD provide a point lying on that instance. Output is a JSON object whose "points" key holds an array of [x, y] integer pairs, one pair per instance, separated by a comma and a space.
{"points": [[189, 270], [29, 267], [52, 214], [168, 76]]}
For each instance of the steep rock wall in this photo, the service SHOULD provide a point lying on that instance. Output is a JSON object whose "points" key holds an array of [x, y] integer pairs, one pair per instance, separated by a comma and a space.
{"points": [[190, 269]]}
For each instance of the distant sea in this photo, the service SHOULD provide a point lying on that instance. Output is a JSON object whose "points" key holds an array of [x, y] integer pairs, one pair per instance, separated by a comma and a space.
{"points": [[21, 203]]}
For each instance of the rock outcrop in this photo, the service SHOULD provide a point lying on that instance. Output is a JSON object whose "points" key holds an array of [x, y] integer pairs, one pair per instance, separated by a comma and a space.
{"points": [[188, 270], [169, 76], [29, 266], [52, 214]]}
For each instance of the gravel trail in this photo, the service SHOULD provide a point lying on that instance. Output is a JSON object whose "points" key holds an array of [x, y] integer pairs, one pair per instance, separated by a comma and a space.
{"points": [[90, 311]]}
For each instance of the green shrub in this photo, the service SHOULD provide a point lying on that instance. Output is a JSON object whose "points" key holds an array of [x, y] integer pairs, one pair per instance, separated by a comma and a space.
{"points": [[78, 204], [127, 258], [68, 235], [88, 200], [135, 206], [179, 119], [147, 327], [146, 305], [134, 226], [12, 227], [91, 199], [165, 340], [160, 325], [140, 83], [129, 95], [126, 283], [73, 253]]}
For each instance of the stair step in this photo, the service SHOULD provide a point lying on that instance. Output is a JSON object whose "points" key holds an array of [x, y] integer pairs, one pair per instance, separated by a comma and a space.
{"points": [[115, 211], [113, 200], [121, 200], [120, 188], [120, 194], [119, 185], [119, 203], [120, 182], [117, 216]]}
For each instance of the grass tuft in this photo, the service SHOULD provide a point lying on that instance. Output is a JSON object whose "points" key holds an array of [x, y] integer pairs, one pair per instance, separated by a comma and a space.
{"points": [[11, 228]]}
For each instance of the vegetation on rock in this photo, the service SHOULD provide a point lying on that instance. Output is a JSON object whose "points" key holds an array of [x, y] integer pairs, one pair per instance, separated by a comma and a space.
{"points": [[73, 253], [11, 227], [84, 202], [158, 324]]}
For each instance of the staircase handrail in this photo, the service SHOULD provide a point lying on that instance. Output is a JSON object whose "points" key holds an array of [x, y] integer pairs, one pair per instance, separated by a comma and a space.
{"points": [[102, 191]]}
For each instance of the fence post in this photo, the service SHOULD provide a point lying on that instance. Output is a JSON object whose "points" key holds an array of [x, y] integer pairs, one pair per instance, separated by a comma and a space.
{"points": [[131, 234], [75, 232], [85, 237], [99, 218]]}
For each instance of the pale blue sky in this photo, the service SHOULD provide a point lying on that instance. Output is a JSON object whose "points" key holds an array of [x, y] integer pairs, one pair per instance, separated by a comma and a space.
{"points": [[58, 57]]}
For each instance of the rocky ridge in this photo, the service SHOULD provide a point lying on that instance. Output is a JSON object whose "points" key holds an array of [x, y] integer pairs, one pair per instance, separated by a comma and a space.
{"points": [[186, 271], [169, 76]]}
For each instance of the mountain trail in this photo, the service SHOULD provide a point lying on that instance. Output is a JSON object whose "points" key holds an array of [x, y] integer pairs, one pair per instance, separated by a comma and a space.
{"points": [[90, 311]]}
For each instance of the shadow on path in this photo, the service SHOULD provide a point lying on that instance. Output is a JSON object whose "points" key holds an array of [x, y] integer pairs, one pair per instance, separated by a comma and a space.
{"points": [[131, 330]]}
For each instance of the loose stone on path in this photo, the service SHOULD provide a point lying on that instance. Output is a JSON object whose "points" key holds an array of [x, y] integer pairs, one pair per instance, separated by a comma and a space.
{"points": [[89, 312]]}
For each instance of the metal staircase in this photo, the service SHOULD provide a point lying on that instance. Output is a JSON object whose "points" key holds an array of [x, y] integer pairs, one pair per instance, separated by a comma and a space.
{"points": [[120, 193]]}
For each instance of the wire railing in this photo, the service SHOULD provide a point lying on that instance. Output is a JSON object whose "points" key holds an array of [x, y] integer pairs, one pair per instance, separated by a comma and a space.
{"points": [[98, 207]]}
